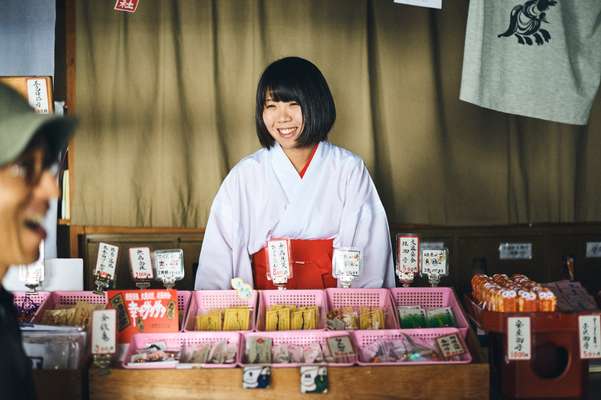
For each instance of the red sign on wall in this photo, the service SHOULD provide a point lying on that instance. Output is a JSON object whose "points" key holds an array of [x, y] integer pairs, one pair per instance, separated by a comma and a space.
{"points": [[126, 5]]}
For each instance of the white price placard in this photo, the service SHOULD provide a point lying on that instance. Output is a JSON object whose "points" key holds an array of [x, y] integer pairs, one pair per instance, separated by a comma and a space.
{"points": [[408, 255], [106, 263], [37, 94], [141, 264], [589, 329], [518, 338], [434, 262], [346, 263], [104, 324], [169, 265], [279, 261]]}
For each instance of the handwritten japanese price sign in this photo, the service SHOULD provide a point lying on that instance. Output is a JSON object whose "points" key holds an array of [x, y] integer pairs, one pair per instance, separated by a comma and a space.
{"points": [[590, 336], [434, 262], [129, 6], [346, 265], [279, 262], [407, 256], [104, 332], [141, 266], [37, 94], [106, 263], [450, 345], [169, 265], [518, 338]]}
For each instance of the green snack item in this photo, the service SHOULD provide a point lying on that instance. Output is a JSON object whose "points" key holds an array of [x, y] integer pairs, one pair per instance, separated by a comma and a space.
{"points": [[440, 317], [412, 317]]}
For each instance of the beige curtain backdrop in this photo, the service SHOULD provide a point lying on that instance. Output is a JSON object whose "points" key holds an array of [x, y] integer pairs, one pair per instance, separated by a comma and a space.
{"points": [[166, 102]]}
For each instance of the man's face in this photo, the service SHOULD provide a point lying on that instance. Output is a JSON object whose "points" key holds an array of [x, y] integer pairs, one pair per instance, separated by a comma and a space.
{"points": [[26, 189]]}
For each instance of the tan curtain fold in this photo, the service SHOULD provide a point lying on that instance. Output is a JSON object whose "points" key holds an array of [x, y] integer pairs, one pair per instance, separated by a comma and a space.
{"points": [[166, 102]]}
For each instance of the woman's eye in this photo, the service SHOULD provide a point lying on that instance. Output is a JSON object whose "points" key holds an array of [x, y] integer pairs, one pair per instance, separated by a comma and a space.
{"points": [[294, 103], [269, 105]]}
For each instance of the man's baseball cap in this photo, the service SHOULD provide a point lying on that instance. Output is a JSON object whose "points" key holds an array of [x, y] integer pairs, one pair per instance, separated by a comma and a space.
{"points": [[19, 123]]}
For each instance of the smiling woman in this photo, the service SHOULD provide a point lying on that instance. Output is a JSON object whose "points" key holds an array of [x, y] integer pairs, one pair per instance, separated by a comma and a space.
{"points": [[298, 187], [29, 145]]}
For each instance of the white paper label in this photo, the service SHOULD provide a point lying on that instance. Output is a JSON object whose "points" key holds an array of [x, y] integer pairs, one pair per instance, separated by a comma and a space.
{"points": [[169, 264], [104, 331], [38, 95], [518, 338], [434, 262], [422, 3], [141, 266], [408, 256], [593, 249], [347, 264], [589, 327], [450, 345], [106, 263], [279, 261], [32, 275], [515, 251]]}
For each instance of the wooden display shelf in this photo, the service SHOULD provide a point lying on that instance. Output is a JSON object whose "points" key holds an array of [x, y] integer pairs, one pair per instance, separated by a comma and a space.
{"points": [[468, 381]]}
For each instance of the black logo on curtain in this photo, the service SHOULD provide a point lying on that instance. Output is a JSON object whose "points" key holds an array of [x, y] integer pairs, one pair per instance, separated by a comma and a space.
{"points": [[525, 22]]}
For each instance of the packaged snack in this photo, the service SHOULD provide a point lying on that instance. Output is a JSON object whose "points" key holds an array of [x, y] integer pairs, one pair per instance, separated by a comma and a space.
{"points": [[258, 350], [341, 349], [440, 317], [412, 317]]}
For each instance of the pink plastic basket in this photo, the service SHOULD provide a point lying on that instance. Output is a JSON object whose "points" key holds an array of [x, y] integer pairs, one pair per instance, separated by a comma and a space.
{"points": [[178, 341], [63, 299], [205, 300], [38, 298], [362, 339], [294, 297], [294, 337], [431, 297], [183, 302], [356, 298]]}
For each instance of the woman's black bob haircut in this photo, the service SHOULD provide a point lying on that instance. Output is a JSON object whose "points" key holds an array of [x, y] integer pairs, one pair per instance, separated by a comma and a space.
{"points": [[296, 79]]}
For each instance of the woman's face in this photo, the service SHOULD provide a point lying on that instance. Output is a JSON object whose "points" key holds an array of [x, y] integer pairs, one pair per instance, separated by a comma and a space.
{"points": [[284, 121], [25, 193]]}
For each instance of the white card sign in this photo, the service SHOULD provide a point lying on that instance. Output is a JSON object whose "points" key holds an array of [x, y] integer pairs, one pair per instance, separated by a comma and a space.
{"points": [[407, 257], [593, 249], [169, 265], [141, 265], [279, 261], [106, 263], [422, 3], [434, 262], [104, 323], [37, 93], [589, 328], [518, 338], [346, 265], [32, 275], [515, 251]]}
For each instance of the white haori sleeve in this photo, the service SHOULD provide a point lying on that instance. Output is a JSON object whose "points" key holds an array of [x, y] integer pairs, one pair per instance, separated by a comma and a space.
{"points": [[223, 255], [364, 226]]}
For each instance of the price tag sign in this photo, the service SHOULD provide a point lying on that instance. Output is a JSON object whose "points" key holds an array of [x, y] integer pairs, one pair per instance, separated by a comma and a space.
{"points": [[407, 257], [434, 264], [38, 95], [518, 338], [279, 262], [32, 275], [450, 345], [589, 328], [106, 263], [104, 332], [169, 266], [346, 265], [141, 266]]}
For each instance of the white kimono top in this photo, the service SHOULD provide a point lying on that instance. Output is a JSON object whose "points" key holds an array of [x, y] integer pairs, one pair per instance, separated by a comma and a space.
{"points": [[264, 196]]}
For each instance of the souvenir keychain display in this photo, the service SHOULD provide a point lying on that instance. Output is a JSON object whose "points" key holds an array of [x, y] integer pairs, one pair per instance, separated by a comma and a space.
{"points": [[408, 257], [169, 266], [32, 275], [346, 265], [106, 265], [141, 266], [435, 264], [279, 262]]}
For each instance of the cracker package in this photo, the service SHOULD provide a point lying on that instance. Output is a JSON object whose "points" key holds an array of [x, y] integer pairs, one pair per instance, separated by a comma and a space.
{"points": [[412, 317], [440, 317], [290, 317]]}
